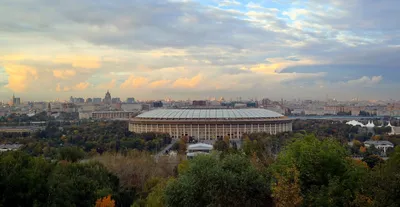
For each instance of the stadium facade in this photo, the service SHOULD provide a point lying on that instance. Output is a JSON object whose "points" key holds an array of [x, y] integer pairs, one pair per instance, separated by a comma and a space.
{"points": [[206, 124]]}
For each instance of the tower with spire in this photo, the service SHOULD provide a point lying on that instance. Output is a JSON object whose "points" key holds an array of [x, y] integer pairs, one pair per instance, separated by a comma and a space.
{"points": [[49, 109], [107, 98], [15, 101]]}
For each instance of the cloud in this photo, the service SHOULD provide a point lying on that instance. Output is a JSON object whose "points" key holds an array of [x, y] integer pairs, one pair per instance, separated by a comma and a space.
{"points": [[277, 65], [238, 49], [78, 87], [60, 89], [188, 82], [20, 76], [64, 74], [295, 13], [229, 3], [365, 81], [252, 5], [108, 85], [89, 62], [159, 83], [134, 82], [81, 86]]}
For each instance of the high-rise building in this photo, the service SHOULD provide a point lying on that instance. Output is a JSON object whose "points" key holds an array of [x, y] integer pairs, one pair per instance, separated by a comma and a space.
{"points": [[97, 100], [157, 104], [49, 109], [107, 98], [16, 101], [89, 100], [79, 100], [130, 100], [199, 103], [115, 100]]}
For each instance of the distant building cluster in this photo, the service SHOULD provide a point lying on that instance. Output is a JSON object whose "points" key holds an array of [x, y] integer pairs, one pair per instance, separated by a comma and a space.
{"points": [[296, 107]]}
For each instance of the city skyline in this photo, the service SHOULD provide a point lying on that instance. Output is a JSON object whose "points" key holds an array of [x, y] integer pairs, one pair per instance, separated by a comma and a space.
{"points": [[198, 49]]}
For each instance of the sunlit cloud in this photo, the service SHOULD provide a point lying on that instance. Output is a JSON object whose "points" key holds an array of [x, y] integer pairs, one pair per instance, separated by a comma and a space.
{"points": [[188, 82], [20, 76], [64, 74], [159, 83], [134, 82], [82, 86]]}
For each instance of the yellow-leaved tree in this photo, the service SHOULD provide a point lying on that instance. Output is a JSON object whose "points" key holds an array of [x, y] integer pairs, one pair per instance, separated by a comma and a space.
{"points": [[286, 189]]}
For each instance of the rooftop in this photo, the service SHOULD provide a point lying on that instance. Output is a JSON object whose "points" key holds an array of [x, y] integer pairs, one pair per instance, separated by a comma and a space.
{"points": [[380, 142], [209, 113]]}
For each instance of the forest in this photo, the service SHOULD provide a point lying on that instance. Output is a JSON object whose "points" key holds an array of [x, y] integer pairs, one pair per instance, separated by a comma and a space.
{"points": [[92, 138], [298, 170], [100, 163]]}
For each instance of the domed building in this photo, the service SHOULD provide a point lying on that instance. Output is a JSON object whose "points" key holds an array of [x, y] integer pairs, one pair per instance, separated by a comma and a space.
{"points": [[204, 124]]}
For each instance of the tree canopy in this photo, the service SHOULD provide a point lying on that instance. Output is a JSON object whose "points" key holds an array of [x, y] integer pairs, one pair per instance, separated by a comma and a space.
{"points": [[210, 181]]}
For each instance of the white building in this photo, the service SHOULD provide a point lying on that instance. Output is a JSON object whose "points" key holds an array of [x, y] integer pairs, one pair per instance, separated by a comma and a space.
{"points": [[382, 145], [199, 148]]}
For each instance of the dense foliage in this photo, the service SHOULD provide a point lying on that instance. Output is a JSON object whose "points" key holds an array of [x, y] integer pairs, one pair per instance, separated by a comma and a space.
{"points": [[210, 181], [326, 177], [103, 164], [92, 137], [33, 181]]}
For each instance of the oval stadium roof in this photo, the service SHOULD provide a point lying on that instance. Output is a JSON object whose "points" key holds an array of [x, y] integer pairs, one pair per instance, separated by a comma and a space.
{"points": [[209, 114]]}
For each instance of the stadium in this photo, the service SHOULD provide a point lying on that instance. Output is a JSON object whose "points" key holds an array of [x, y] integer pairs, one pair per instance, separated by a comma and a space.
{"points": [[206, 124]]}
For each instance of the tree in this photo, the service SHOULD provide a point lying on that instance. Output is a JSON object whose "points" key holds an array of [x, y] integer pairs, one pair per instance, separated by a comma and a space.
{"points": [[105, 202], [74, 184], [372, 160], [183, 167], [286, 190], [383, 183], [210, 181], [71, 154], [182, 145], [376, 138], [227, 140], [221, 145], [363, 149], [23, 179], [156, 198], [326, 176]]}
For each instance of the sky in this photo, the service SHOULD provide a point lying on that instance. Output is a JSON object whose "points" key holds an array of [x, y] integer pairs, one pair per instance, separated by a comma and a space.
{"points": [[187, 49]]}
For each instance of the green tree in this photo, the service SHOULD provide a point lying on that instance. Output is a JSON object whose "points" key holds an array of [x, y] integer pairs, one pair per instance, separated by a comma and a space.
{"points": [[221, 145], [210, 181], [71, 154], [156, 198], [326, 176], [74, 184], [372, 160], [383, 183], [23, 179]]}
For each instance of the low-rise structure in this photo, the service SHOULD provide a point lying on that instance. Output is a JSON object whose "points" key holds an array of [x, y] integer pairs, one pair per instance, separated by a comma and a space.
{"points": [[9, 147], [114, 115], [382, 145], [199, 148]]}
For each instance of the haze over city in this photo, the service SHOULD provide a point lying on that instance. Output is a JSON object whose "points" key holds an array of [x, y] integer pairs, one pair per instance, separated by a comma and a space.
{"points": [[196, 49]]}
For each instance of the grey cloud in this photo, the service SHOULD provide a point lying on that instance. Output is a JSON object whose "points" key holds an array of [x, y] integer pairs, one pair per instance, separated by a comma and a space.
{"points": [[234, 71], [218, 41]]}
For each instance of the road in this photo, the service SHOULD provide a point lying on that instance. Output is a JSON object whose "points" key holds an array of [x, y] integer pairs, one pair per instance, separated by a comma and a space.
{"points": [[168, 147]]}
